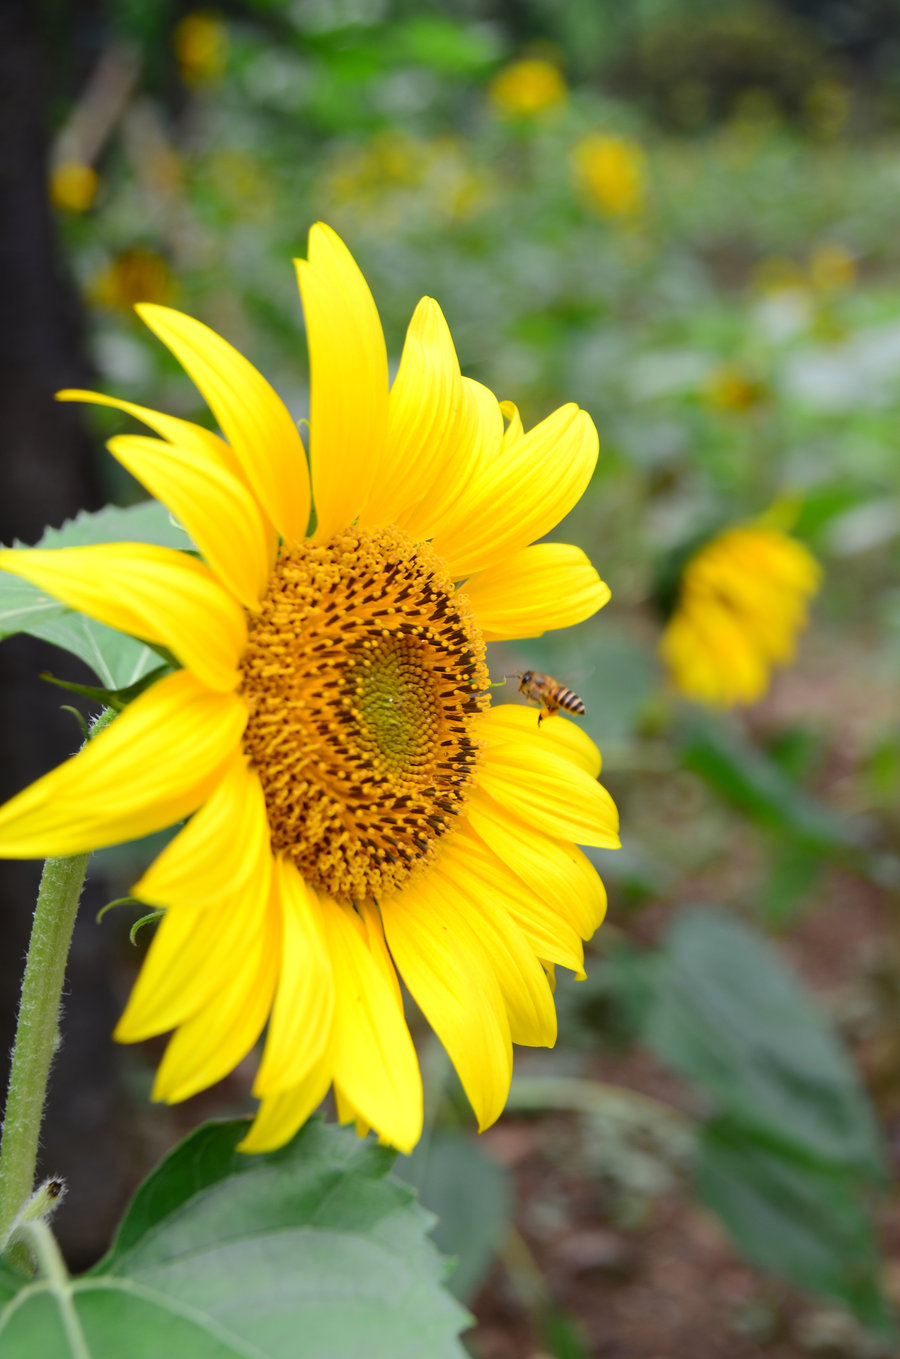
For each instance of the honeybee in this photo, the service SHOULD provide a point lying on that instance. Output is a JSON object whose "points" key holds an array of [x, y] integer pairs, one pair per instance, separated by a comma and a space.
{"points": [[549, 695]]}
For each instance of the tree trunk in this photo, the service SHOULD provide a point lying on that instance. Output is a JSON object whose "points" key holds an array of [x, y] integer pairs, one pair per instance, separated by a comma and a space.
{"points": [[46, 475]]}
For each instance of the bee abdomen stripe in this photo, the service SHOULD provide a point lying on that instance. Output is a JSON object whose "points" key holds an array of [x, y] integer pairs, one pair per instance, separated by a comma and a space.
{"points": [[571, 702]]}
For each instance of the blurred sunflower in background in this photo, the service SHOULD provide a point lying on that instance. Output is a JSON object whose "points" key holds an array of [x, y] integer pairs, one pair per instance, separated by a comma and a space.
{"points": [[73, 186], [201, 48], [611, 174], [740, 604], [528, 88], [357, 808]]}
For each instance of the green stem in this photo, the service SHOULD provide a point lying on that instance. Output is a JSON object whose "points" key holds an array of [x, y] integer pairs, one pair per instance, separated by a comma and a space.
{"points": [[37, 1031], [41, 1245]]}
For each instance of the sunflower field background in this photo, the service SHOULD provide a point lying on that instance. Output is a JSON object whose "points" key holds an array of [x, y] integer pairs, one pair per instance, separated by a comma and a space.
{"points": [[682, 216]]}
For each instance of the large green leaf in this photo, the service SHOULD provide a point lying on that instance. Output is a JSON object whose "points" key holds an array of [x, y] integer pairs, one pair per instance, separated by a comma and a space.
{"points": [[791, 1160], [804, 1222], [310, 1252], [727, 1013], [116, 659]]}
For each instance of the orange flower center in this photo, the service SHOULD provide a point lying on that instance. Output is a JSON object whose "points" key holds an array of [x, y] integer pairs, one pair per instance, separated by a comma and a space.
{"points": [[363, 672]]}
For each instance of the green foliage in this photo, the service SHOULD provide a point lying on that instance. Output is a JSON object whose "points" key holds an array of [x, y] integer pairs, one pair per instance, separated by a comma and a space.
{"points": [[807, 1222], [755, 784], [792, 1156], [120, 662], [311, 1252], [469, 1194]]}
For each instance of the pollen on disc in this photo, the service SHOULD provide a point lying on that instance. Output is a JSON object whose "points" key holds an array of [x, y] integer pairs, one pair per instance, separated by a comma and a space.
{"points": [[363, 673]]}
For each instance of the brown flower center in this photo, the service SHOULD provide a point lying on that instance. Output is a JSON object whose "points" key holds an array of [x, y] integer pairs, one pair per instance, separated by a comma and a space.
{"points": [[363, 672]]}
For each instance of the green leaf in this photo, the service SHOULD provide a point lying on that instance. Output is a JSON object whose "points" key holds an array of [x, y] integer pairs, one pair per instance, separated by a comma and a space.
{"points": [[727, 1013], [310, 1252], [469, 1194], [113, 698], [444, 45], [792, 1218], [794, 873], [563, 1335], [116, 659], [792, 1158], [755, 784]]}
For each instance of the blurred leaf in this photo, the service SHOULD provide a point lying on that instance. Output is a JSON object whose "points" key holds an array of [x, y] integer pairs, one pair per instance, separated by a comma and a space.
{"points": [[755, 784], [304, 1252], [445, 46], [563, 1335], [727, 1013], [793, 1218], [794, 872], [797, 750], [116, 659], [469, 1194], [822, 505], [792, 1156]]}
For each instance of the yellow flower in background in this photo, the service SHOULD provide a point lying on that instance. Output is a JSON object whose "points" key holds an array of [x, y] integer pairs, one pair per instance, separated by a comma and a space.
{"points": [[201, 48], [610, 173], [779, 274], [832, 268], [357, 808], [528, 88], [133, 276], [732, 387], [73, 185], [828, 106], [742, 603], [395, 175]]}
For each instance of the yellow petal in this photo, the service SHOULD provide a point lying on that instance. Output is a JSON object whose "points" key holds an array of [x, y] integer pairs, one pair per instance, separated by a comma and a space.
{"points": [[712, 657], [423, 414], [470, 861], [155, 593], [300, 1030], [183, 433], [556, 872], [206, 447], [548, 585], [450, 977], [549, 793], [222, 851], [157, 762], [520, 495], [189, 962], [474, 441], [281, 1115], [514, 428], [349, 381], [374, 1058], [215, 508], [513, 721], [480, 899], [209, 1045], [252, 417], [348, 1113]]}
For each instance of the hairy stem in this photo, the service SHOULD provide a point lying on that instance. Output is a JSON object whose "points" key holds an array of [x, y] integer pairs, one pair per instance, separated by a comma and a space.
{"points": [[37, 1032], [37, 1029]]}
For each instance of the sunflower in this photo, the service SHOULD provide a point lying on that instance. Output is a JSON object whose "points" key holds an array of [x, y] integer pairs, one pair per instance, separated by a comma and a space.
{"points": [[357, 808], [742, 603]]}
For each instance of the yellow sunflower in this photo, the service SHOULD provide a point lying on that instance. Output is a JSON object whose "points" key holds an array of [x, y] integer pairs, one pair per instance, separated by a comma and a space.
{"points": [[357, 808], [742, 603]]}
